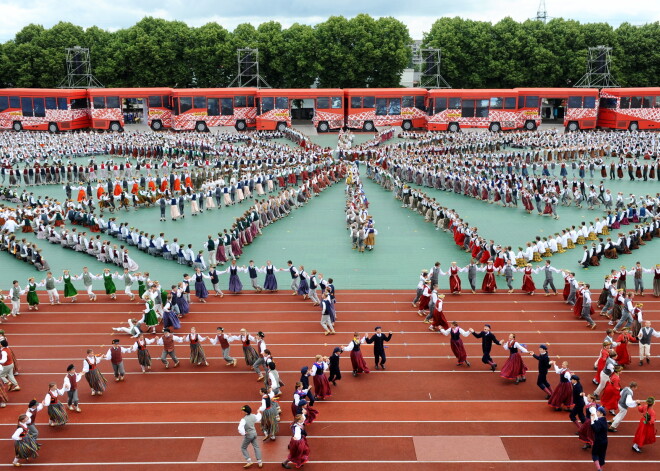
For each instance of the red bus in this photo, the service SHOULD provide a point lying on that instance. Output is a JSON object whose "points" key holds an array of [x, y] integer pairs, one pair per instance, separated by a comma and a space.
{"points": [[323, 107], [368, 108], [453, 109], [575, 108], [200, 108], [112, 108], [629, 108], [43, 109]]}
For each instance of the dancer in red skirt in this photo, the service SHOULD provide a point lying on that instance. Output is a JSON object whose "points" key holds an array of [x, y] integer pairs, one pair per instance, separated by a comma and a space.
{"points": [[602, 359], [528, 285], [611, 394], [515, 367], [439, 320], [562, 396], [456, 343], [321, 384], [298, 446], [585, 431], [645, 434], [425, 298], [489, 284], [357, 360], [623, 356], [454, 279]]}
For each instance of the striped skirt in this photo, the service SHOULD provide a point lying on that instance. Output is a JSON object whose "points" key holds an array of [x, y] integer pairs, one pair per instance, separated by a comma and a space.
{"points": [[144, 358], [96, 380], [197, 355], [57, 414], [250, 355], [269, 422], [26, 448]]}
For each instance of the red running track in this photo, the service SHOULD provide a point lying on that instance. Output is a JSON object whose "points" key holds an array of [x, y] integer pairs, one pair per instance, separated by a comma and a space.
{"points": [[423, 412]]}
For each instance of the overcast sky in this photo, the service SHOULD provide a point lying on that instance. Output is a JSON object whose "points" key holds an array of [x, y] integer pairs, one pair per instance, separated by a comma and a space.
{"points": [[419, 15]]}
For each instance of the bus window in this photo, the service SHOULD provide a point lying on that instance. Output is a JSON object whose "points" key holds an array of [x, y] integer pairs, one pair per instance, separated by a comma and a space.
{"points": [[39, 108], [252, 103], [381, 106], [323, 103], [282, 103], [369, 102], [155, 101], [14, 102], [395, 106], [648, 102], [440, 104], [199, 102], [4, 103], [166, 102], [624, 102], [51, 103], [575, 102], [419, 102], [532, 102], [175, 106], [185, 104], [213, 107], [521, 102], [26, 106], [240, 101], [496, 103], [356, 102], [227, 108], [657, 102], [510, 103], [636, 102], [267, 104], [112, 102], [482, 109], [468, 108], [454, 103], [61, 102], [336, 102], [407, 102], [589, 102], [99, 102], [608, 103]]}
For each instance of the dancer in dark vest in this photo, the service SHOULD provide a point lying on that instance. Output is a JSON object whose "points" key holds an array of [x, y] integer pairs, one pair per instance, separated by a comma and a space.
{"points": [[378, 340], [114, 355], [357, 360], [487, 341]]}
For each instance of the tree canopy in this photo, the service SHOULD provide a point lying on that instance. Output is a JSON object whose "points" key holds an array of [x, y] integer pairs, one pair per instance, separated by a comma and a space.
{"points": [[339, 52]]}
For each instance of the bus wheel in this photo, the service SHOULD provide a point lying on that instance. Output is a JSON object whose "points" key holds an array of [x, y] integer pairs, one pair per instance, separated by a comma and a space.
{"points": [[323, 127], [573, 126], [52, 128], [281, 127], [115, 127], [633, 126], [495, 127], [530, 125], [240, 125], [200, 126], [453, 127], [406, 125], [17, 126], [368, 126], [156, 125]]}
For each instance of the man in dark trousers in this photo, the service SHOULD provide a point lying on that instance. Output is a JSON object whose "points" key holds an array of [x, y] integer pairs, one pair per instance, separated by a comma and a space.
{"points": [[379, 349], [487, 341], [544, 366], [578, 402], [599, 448]]}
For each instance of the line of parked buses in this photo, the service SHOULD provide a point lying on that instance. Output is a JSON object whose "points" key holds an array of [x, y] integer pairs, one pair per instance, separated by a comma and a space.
{"points": [[363, 109]]}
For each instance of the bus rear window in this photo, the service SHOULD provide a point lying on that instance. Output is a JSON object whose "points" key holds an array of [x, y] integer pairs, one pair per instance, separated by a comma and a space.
{"points": [[356, 102], [112, 102], [532, 102], [336, 102], [267, 104], [323, 103], [589, 102], [282, 103], [99, 102], [155, 101], [419, 102], [510, 103], [575, 102], [77, 104], [185, 104]]}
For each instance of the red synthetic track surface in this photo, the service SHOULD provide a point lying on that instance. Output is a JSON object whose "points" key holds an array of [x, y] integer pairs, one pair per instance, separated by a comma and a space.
{"points": [[159, 420]]}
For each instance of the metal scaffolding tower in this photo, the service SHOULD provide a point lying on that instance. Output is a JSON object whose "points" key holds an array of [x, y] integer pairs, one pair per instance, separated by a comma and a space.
{"points": [[598, 73], [79, 69], [430, 76], [248, 69], [542, 12]]}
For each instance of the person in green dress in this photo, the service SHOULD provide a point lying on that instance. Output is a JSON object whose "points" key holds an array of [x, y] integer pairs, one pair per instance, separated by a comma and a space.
{"points": [[4, 309], [143, 278], [110, 288], [150, 318], [32, 297], [69, 290]]}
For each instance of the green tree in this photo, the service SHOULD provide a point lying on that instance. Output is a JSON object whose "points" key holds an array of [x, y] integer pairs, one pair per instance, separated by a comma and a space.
{"points": [[211, 56]]}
